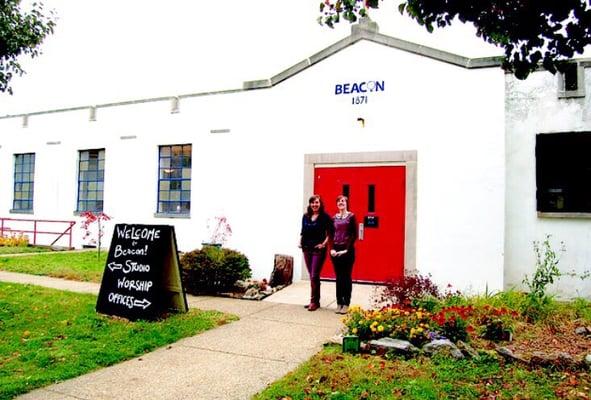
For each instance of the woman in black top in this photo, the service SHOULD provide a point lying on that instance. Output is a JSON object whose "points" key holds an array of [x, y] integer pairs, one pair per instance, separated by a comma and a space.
{"points": [[342, 253], [314, 236]]}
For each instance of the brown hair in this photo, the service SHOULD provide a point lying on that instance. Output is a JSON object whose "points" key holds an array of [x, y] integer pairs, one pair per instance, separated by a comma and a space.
{"points": [[342, 196], [310, 200]]}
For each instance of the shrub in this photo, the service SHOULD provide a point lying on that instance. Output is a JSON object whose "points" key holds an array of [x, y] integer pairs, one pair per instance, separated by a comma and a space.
{"points": [[405, 290], [211, 270], [393, 321], [495, 323], [14, 240], [452, 322], [538, 304]]}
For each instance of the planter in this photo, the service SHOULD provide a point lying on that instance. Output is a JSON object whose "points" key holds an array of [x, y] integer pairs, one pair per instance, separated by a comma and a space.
{"points": [[351, 344]]}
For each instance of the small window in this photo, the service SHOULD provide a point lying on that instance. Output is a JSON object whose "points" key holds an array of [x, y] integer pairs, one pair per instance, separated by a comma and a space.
{"points": [[91, 180], [24, 182], [371, 198], [571, 81], [174, 179], [563, 172]]}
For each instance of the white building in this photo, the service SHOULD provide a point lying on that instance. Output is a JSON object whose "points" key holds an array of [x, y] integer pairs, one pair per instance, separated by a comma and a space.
{"points": [[442, 185]]}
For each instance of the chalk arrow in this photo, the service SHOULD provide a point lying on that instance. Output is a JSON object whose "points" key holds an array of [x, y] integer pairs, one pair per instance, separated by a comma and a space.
{"points": [[141, 303], [113, 266]]}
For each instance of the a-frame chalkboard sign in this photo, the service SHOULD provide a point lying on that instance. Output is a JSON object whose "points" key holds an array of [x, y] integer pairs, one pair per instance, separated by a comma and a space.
{"points": [[142, 275]]}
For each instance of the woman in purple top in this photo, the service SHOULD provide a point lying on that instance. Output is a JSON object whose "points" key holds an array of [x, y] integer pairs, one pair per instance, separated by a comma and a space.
{"points": [[342, 253], [314, 236]]}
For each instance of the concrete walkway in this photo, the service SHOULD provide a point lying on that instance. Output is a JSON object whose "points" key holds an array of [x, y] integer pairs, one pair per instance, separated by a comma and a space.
{"points": [[233, 361]]}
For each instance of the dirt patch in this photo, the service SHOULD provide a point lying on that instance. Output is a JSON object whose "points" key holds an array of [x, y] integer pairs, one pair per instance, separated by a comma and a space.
{"points": [[557, 336]]}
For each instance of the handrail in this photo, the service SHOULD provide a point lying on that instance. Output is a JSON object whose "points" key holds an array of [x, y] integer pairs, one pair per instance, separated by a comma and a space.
{"points": [[35, 231]]}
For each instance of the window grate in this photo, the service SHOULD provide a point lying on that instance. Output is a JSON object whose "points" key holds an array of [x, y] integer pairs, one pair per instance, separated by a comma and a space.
{"points": [[91, 180], [174, 179], [24, 182]]}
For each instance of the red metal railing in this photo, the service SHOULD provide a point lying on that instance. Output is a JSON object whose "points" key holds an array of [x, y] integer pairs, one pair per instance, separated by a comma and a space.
{"points": [[37, 228]]}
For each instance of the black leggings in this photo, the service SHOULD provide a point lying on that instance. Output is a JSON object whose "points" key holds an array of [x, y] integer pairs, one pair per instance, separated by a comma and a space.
{"points": [[343, 267]]}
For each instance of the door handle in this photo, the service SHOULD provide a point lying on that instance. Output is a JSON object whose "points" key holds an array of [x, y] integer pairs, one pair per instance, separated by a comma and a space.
{"points": [[360, 235]]}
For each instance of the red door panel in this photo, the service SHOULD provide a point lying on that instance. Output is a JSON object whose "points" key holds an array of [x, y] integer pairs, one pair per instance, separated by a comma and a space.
{"points": [[377, 197]]}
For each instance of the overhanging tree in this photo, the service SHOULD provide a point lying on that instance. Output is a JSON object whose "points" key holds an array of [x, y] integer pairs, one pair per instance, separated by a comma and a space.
{"points": [[21, 33], [531, 32]]}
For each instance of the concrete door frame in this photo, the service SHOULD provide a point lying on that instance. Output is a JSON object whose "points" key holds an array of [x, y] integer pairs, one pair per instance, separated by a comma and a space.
{"points": [[361, 159]]}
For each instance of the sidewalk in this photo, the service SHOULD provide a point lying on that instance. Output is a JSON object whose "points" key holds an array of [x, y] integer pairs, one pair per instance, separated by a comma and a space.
{"points": [[233, 361]]}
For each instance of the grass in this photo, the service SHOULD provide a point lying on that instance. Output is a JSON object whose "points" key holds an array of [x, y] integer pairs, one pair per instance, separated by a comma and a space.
{"points": [[80, 266], [23, 249], [48, 336], [334, 375]]}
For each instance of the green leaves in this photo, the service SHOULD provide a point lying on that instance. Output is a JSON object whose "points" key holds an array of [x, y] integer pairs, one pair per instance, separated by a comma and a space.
{"points": [[530, 32], [21, 33]]}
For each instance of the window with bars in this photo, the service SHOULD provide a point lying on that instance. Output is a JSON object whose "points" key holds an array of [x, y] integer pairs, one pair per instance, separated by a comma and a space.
{"points": [[563, 172], [571, 81], [24, 181], [91, 180], [174, 179]]}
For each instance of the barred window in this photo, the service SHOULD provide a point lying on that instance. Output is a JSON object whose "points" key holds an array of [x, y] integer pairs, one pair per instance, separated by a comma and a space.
{"points": [[563, 172], [91, 180], [174, 179], [24, 181]]}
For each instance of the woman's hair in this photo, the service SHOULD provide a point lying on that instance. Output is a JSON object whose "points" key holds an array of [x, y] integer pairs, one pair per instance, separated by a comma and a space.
{"points": [[310, 200], [342, 196]]}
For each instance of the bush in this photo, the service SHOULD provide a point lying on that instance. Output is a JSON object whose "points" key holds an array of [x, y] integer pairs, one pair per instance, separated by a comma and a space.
{"points": [[452, 322], [407, 289], [213, 270], [538, 304], [14, 240]]}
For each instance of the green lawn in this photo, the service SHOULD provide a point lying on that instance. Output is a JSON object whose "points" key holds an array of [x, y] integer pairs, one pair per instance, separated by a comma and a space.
{"points": [[23, 249], [80, 266], [48, 335], [334, 375]]}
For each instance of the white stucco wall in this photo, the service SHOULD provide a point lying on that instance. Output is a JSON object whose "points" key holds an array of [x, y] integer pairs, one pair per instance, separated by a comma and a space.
{"points": [[452, 117], [533, 107]]}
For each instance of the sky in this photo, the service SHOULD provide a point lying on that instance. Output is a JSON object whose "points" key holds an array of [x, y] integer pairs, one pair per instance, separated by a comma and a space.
{"points": [[113, 50]]}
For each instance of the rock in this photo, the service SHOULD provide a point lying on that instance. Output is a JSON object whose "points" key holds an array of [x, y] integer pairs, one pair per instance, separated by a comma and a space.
{"points": [[396, 345], [253, 294], [282, 270], [588, 360], [560, 360], [467, 350], [336, 339], [240, 284], [583, 330], [509, 355], [443, 345]]}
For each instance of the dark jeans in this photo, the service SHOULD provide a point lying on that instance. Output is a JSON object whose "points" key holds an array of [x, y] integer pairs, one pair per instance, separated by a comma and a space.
{"points": [[343, 267], [314, 259]]}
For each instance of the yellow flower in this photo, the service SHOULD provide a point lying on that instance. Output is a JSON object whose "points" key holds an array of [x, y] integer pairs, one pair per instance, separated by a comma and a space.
{"points": [[381, 328], [354, 331]]}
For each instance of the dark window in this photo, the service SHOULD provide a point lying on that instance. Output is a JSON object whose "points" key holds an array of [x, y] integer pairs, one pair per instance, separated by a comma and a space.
{"points": [[563, 172], [91, 180], [571, 78], [371, 198], [24, 179], [174, 179], [346, 191]]}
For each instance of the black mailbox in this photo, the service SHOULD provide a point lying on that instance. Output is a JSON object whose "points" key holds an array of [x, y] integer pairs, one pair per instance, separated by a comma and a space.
{"points": [[370, 221]]}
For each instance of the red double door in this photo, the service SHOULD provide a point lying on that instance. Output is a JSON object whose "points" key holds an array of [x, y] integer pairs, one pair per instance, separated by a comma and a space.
{"points": [[377, 198]]}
